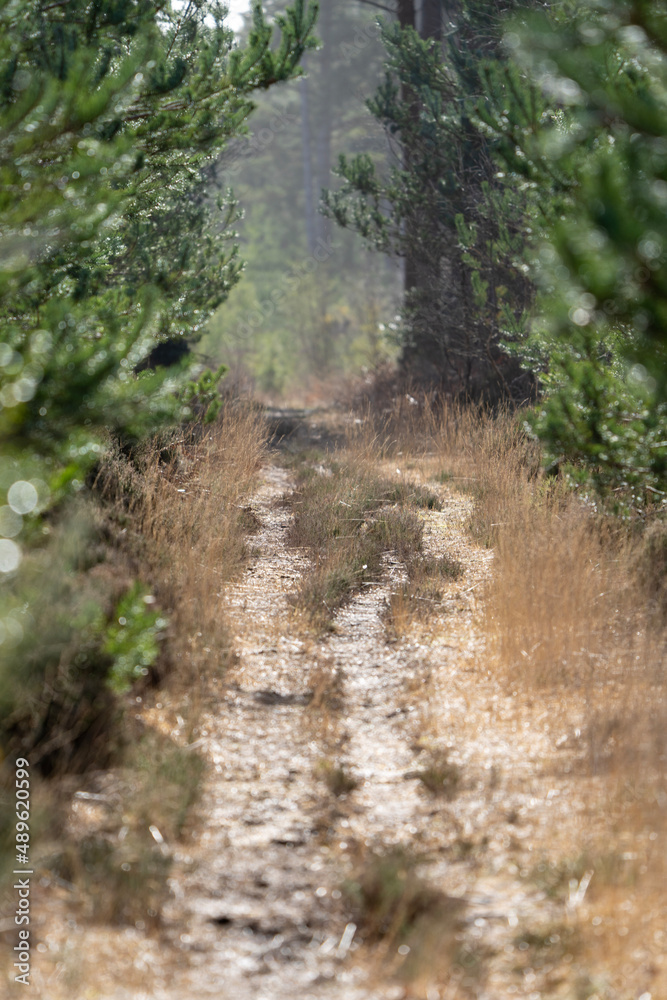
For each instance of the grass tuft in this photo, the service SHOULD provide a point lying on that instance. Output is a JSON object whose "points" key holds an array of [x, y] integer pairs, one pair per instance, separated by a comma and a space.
{"points": [[335, 776], [440, 776], [345, 520], [402, 918]]}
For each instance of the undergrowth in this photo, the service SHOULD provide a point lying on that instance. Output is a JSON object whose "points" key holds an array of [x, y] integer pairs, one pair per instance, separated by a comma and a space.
{"points": [[349, 517], [573, 616], [143, 559], [409, 926]]}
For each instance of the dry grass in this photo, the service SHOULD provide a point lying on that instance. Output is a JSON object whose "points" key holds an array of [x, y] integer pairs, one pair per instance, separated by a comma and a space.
{"points": [[409, 927], [183, 506], [115, 853], [573, 615], [348, 519], [439, 775], [336, 777], [176, 517], [421, 594], [562, 606]]}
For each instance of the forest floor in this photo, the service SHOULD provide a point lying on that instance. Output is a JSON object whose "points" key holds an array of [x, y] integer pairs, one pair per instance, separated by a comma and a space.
{"points": [[379, 815]]}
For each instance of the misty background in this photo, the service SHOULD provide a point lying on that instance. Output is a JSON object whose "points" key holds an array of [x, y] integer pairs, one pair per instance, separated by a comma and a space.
{"points": [[314, 305]]}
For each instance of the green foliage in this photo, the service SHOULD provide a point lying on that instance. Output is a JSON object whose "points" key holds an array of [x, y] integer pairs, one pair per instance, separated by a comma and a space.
{"points": [[53, 666], [108, 236], [542, 172], [73, 632], [132, 640], [202, 394], [112, 239], [600, 162]]}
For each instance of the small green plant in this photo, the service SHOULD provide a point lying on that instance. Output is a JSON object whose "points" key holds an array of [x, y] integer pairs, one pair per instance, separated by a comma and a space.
{"points": [[440, 776], [337, 779], [133, 640], [202, 395]]}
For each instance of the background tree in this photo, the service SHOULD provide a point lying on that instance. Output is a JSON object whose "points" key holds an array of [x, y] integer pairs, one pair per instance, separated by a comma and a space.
{"points": [[441, 205], [108, 237], [296, 320]]}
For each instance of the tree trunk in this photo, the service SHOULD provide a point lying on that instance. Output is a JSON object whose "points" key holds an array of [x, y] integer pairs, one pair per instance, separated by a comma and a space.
{"points": [[421, 358], [307, 167], [407, 19], [406, 13], [431, 19], [325, 117]]}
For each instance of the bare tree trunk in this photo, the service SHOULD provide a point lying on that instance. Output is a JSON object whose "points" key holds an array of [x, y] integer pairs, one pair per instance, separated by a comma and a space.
{"points": [[325, 113], [307, 167], [406, 13], [431, 19], [406, 18], [422, 272]]}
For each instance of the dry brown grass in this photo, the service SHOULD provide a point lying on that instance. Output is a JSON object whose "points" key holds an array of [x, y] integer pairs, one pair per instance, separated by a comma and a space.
{"points": [[561, 606], [408, 927], [177, 519], [183, 504], [573, 615], [348, 518]]}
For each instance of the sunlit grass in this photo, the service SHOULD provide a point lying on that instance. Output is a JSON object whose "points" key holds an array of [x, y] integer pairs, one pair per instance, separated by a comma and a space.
{"points": [[573, 620]]}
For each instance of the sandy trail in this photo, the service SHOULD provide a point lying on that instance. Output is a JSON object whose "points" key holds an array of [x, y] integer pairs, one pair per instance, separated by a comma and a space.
{"points": [[256, 911], [265, 911]]}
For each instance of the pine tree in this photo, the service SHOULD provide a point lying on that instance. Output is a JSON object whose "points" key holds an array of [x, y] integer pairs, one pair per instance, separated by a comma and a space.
{"points": [[442, 207], [601, 258], [111, 115]]}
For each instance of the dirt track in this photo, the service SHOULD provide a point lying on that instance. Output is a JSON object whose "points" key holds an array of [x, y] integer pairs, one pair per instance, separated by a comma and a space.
{"points": [[258, 908]]}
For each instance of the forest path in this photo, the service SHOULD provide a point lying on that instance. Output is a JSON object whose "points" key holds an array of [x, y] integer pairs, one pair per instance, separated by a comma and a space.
{"points": [[258, 908], [265, 907]]}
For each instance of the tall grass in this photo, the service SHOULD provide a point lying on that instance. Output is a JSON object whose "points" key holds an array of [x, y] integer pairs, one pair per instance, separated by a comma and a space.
{"points": [[166, 523], [573, 615], [574, 618], [183, 504]]}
